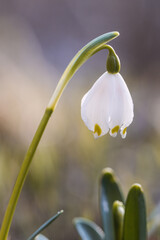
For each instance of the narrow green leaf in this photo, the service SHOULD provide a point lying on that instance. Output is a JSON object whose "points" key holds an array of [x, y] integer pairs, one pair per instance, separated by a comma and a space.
{"points": [[88, 230], [109, 192], [45, 225], [41, 237], [118, 216], [135, 215]]}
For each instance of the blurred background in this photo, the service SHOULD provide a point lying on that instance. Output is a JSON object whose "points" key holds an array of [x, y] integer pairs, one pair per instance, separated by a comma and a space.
{"points": [[37, 40]]}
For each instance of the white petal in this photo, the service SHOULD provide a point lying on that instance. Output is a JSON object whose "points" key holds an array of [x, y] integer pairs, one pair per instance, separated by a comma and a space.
{"points": [[95, 105], [121, 114], [108, 105]]}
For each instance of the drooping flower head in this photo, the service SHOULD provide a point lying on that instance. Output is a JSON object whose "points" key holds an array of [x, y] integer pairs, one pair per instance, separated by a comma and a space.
{"points": [[108, 106]]}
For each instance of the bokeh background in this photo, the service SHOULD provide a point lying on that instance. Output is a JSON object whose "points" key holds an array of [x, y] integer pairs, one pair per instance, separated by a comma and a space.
{"points": [[37, 40]]}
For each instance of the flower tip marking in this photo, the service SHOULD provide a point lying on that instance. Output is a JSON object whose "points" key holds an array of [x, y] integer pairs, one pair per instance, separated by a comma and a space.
{"points": [[124, 133], [113, 132], [115, 129], [97, 131]]}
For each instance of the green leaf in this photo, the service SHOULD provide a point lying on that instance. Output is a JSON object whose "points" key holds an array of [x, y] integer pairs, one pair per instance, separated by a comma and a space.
{"points": [[45, 225], [135, 215], [88, 230], [154, 221], [118, 216], [41, 237], [109, 192]]}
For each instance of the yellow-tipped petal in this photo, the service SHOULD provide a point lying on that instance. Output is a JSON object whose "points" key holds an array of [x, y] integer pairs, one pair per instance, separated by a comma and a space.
{"points": [[113, 132], [108, 105], [97, 129], [123, 133]]}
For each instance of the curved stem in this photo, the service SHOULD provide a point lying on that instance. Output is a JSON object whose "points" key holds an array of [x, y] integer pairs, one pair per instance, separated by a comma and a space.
{"points": [[83, 55]]}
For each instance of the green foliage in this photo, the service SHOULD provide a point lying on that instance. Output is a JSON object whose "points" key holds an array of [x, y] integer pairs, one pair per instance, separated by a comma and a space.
{"points": [[120, 221], [36, 234], [118, 215], [109, 192], [88, 229], [135, 215]]}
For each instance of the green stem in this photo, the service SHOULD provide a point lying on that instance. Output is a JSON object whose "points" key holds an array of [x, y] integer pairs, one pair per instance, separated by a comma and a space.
{"points": [[82, 56], [22, 175]]}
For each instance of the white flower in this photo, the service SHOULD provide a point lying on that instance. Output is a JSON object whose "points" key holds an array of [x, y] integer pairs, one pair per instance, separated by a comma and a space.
{"points": [[108, 106]]}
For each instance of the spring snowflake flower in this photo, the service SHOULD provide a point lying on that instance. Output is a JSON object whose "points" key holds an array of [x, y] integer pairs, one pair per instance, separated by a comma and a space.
{"points": [[108, 106]]}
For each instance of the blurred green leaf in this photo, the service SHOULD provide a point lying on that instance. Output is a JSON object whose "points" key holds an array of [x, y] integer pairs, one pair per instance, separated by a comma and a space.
{"points": [[88, 230], [154, 221], [109, 192], [118, 216], [135, 215], [45, 225], [41, 237]]}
